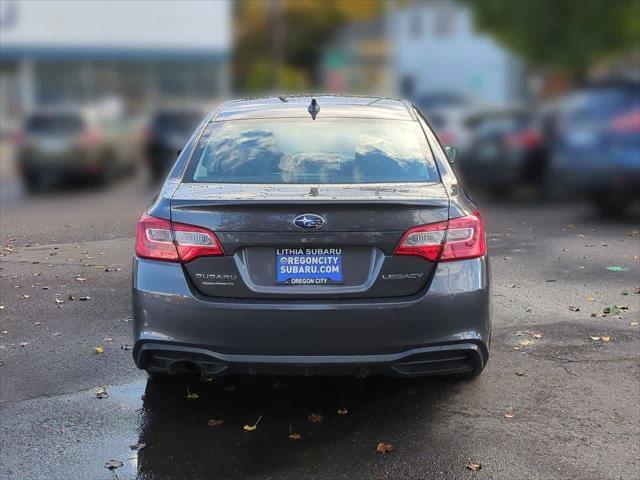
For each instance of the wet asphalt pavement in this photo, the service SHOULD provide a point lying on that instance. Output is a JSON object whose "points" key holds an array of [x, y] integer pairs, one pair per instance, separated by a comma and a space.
{"points": [[552, 402]]}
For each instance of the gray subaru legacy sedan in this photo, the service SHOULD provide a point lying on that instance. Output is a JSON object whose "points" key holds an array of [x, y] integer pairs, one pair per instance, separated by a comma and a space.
{"points": [[299, 235]]}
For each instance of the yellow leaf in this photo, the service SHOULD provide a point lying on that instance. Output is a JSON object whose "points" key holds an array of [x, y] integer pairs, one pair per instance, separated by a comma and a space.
{"points": [[606, 338], [295, 436], [99, 349], [251, 428]]}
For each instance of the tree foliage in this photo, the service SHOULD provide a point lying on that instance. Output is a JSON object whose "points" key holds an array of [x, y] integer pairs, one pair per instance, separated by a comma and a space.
{"points": [[566, 35], [279, 43]]}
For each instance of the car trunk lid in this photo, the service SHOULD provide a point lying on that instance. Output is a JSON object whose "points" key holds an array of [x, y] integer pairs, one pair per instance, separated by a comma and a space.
{"points": [[362, 225]]}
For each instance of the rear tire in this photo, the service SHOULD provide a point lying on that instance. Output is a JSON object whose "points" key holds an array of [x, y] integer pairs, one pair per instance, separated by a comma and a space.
{"points": [[32, 183]]}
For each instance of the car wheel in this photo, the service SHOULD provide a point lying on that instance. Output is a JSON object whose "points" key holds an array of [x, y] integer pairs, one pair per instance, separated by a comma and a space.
{"points": [[32, 183]]}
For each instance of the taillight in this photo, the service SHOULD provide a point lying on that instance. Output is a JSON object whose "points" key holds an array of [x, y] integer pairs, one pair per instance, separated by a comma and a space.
{"points": [[524, 139], [626, 123], [20, 139], [447, 137], [160, 239], [457, 239], [89, 138]]}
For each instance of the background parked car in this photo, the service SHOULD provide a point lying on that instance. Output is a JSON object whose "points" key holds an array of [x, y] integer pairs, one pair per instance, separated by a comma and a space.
{"points": [[450, 124], [167, 132], [506, 150], [595, 145], [73, 143]]}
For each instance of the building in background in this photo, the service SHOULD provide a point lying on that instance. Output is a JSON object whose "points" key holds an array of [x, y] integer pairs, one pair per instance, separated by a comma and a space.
{"points": [[140, 52], [357, 61], [430, 48]]}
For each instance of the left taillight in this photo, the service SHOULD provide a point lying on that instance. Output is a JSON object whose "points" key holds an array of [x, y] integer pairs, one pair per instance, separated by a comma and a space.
{"points": [[524, 139], [457, 239], [160, 239]]}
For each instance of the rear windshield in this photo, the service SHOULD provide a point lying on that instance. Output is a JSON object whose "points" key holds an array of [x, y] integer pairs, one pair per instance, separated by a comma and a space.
{"points": [[308, 151], [54, 123]]}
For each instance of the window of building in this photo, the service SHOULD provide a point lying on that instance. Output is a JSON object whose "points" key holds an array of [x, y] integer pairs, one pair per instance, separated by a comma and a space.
{"points": [[445, 19], [415, 25]]}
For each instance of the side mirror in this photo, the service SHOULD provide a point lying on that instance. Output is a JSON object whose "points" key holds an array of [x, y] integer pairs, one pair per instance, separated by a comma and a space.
{"points": [[179, 152], [451, 153]]}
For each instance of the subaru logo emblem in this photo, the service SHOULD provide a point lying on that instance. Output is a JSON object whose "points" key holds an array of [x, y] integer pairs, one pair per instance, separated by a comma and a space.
{"points": [[308, 221]]}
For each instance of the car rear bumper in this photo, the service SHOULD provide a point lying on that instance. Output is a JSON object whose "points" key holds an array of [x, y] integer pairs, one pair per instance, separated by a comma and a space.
{"points": [[168, 358], [446, 329]]}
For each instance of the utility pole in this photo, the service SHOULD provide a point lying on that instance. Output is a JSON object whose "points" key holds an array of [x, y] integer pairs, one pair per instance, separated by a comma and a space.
{"points": [[277, 41]]}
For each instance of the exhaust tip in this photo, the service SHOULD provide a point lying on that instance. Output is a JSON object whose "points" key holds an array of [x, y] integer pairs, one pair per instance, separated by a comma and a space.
{"points": [[185, 367]]}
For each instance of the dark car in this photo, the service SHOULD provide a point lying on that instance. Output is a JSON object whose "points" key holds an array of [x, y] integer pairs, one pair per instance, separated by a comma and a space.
{"points": [[595, 145], [506, 150], [312, 236], [167, 133], [72, 143]]}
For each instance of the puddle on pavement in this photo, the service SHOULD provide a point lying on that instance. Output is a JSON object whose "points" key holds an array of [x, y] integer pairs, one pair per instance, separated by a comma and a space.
{"points": [[181, 444]]}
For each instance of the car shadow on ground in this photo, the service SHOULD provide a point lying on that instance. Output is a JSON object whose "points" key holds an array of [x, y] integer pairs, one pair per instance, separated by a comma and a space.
{"points": [[356, 414]]}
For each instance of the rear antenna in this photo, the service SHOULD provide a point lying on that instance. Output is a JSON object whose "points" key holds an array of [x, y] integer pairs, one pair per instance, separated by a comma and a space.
{"points": [[314, 108]]}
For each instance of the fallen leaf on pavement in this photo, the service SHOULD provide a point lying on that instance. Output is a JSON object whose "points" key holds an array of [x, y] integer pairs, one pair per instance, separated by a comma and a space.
{"points": [[384, 447], [58, 301], [574, 308], [24, 344], [509, 415], [71, 297], [24, 295], [590, 298], [315, 418], [606, 338], [633, 324], [612, 310], [474, 466], [342, 411], [113, 464], [101, 392], [215, 422], [84, 299], [99, 349], [251, 428], [192, 396], [594, 338], [537, 335], [136, 447], [520, 374], [295, 436], [80, 279]]}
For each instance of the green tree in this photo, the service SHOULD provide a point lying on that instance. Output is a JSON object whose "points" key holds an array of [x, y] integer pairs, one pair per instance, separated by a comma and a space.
{"points": [[565, 35], [278, 43]]}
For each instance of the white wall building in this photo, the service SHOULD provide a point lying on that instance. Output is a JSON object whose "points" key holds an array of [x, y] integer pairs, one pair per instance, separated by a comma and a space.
{"points": [[141, 51], [437, 49]]}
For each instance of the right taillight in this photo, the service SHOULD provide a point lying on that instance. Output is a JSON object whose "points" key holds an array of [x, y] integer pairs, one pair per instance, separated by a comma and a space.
{"points": [[160, 239], [457, 239]]}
